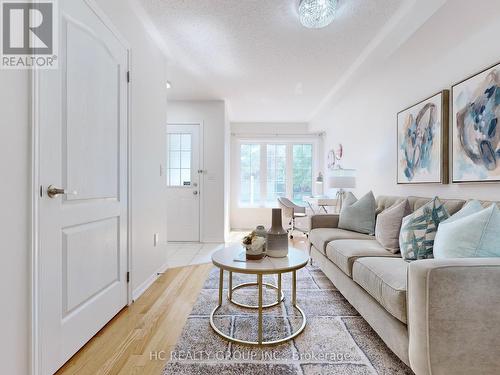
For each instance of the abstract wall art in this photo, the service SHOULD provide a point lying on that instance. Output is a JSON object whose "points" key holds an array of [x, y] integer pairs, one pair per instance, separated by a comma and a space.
{"points": [[423, 141], [475, 128]]}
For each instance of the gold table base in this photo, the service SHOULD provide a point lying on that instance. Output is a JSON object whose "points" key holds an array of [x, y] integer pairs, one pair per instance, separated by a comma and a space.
{"points": [[280, 298]]}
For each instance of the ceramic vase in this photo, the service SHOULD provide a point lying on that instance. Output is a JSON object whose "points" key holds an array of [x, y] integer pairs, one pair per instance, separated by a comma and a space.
{"points": [[277, 237]]}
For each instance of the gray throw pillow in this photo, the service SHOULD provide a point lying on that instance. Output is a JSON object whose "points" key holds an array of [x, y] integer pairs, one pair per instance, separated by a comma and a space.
{"points": [[389, 225], [358, 215]]}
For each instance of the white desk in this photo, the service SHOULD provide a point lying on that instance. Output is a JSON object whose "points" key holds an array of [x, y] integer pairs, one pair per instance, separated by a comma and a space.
{"points": [[321, 202]]}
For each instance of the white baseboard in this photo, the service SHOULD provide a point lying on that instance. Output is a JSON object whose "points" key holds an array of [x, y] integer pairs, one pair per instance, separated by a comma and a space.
{"points": [[213, 240], [148, 282]]}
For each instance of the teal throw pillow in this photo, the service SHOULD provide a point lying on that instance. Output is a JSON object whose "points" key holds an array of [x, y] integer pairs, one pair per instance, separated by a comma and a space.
{"points": [[473, 233]]}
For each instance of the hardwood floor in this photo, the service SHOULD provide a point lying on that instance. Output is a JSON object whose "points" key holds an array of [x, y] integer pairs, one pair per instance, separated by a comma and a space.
{"points": [[151, 325]]}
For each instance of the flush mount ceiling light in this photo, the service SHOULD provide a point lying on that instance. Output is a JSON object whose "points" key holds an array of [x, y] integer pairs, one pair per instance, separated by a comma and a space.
{"points": [[315, 14], [169, 85]]}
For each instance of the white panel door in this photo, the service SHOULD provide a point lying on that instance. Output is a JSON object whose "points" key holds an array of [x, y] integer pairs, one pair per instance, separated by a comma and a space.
{"points": [[82, 114], [183, 181]]}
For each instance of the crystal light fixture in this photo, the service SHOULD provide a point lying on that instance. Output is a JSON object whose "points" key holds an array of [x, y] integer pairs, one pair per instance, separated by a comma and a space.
{"points": [[315, 14]]}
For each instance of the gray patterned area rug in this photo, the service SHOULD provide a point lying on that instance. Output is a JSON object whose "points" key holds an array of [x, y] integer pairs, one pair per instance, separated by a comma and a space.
{"points": [[336, 340]]}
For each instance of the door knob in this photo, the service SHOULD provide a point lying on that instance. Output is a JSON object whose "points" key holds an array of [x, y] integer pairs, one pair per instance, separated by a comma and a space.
{"points": [[195, 192], [53, 192]]}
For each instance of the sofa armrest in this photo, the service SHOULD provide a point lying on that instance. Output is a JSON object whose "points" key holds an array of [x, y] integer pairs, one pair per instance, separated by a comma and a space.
{"points": [[324, 221], [454, 316]]}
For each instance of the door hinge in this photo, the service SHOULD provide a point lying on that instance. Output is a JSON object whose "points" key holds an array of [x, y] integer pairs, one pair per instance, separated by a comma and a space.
{"points": [[128, 76], [128, 277]]}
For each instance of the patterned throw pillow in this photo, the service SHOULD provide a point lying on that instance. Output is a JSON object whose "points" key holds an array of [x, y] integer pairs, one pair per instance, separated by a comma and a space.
{"points": [[418, 231]]}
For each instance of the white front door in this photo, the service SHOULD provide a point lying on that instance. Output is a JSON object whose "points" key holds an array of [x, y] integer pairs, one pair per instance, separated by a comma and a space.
{"points": [[183, 181], [82, 117]]}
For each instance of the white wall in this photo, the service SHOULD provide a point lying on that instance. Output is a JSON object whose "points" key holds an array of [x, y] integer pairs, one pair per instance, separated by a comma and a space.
{"points": [[15, 164], [249, 217], [213, 116], [227, 177], [272, 128], [148, 113], [456, 42]]}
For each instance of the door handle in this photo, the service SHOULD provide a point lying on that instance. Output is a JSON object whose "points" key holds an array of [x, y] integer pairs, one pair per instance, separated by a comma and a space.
{"points": [[195, 192], [53, 192]]}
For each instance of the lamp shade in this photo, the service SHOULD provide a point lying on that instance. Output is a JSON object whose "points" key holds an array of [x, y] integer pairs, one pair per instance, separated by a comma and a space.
{"points": [[342, 179]]}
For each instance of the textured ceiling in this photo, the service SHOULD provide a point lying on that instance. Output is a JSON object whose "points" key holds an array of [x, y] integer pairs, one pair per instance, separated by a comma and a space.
{"points": [[256, 55]]}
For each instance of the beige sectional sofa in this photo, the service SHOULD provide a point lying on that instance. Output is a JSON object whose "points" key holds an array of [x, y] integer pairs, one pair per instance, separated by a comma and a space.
{"points": [[437, 316]]}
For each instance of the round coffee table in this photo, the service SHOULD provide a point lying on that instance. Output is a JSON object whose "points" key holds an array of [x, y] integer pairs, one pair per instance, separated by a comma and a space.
{"points": [[224, 259]]}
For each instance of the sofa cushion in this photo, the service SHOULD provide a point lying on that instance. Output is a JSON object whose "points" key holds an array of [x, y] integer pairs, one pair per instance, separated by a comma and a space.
{"points": [[486, 204], [343, 253], [385, 280], [386, 201], [358, 215], [451, 205], [320, 237]]}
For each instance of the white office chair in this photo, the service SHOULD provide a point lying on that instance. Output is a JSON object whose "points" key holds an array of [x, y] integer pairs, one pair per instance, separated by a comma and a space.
{"points": [[291, 211]]}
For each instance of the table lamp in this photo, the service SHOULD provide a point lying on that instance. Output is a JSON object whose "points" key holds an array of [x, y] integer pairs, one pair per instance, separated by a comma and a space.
{"points": [[342, 179], [319, 184]]}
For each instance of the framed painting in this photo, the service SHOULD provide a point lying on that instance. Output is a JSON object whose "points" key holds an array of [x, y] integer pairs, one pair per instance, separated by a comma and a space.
{"points": [[475, 128], [422, 141]]}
